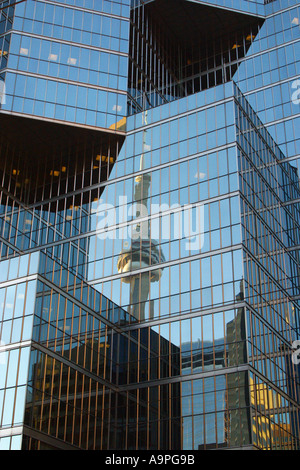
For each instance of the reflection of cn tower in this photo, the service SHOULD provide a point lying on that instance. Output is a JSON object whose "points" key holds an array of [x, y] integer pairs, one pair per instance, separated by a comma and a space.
{"points": [[143, 252]]}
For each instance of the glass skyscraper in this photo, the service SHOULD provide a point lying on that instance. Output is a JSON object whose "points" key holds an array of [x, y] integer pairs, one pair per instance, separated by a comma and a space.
{"points": [[149, 224]]}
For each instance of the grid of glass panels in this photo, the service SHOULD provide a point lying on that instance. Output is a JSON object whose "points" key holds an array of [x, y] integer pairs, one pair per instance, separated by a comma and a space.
{"points": [[17, 297], [72, 63], [219, 321], [269, 75], [273, 316], [166, 64]]}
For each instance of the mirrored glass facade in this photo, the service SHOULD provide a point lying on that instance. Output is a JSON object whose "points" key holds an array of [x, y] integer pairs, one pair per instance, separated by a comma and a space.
{"points": [[149, 225]]}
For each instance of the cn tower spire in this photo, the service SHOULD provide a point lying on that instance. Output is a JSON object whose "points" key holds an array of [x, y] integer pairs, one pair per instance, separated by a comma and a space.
{"points": [[143, 252]]}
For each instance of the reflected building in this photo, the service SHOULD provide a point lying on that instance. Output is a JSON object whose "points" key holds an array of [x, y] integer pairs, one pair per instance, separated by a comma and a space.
{"points": [[149, 224], [143, 252]]}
